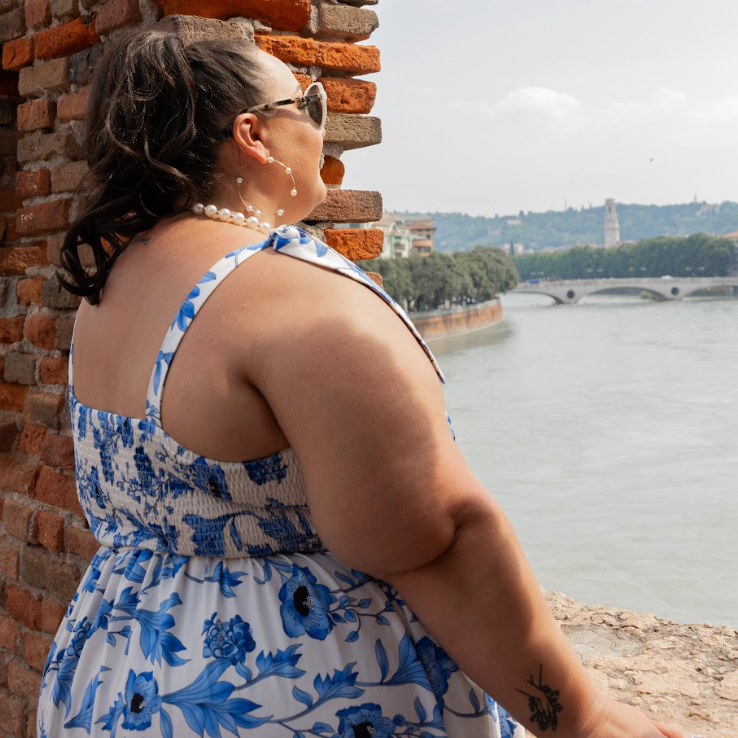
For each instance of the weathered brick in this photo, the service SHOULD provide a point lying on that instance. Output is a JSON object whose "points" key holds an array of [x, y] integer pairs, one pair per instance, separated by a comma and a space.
{"points": [[14, 715], [32, 183], [48, 573], [17, 476], [31, 439], [23, 682], [64, 9], [352, 131], [356, 243], [66, 38], [11, 329], [332, 171], [36, 114], [349, 206], [38, 13], [192, 28], [9, 554], [54, 370], [284, 15], [21, 604], [58, 451], [47, 216], [45, 145], [20, 368], [36, 647], [54, 296], [9, 82], [48, 530], [43, 408], [15, 260], [8, 434], [58, 489], [50, 616], [64, 328], [29, 290], [12, 25], [82, 64], [18, 53], [16, 518], [351, 24], [50, 76], [347, 95], [74, 105], [9, 199], [80, 541], [10, 635], [117, 13], [349, 58], [292, 49], [68, 177], [12, 397]]}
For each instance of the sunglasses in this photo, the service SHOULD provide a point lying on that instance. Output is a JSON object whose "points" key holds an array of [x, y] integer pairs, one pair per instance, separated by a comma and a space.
{"points": [[314, 102]]}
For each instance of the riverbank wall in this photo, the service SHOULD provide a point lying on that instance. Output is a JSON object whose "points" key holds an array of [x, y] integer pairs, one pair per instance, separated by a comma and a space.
{"points": [[458, 319], [682, 675]]}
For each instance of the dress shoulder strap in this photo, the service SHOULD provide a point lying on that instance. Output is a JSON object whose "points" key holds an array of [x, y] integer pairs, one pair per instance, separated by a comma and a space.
{"points": [[183, 319]]}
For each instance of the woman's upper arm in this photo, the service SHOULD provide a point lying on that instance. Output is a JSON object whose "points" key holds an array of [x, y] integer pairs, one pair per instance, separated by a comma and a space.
{"points": [[363, 409]]}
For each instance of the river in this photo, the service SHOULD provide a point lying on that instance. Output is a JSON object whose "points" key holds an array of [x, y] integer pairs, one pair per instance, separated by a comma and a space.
{"points": [[608, 431]]}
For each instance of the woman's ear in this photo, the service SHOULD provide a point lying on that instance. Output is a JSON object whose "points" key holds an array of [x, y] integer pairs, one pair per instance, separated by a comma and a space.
{"points": [[247, 133]]}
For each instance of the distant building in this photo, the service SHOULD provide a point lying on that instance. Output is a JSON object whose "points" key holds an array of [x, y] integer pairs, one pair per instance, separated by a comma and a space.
{"points": [[404, 236], [612, 225]]}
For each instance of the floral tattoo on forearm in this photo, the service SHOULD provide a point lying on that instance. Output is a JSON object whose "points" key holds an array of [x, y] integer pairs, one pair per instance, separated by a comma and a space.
{"points": [[545, 707]]}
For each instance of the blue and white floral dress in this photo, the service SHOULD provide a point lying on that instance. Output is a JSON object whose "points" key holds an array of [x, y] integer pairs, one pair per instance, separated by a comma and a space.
{"points": [[212, 607]]}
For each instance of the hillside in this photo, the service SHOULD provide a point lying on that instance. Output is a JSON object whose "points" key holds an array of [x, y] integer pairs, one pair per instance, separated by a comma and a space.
{"points": [[457, 232]]}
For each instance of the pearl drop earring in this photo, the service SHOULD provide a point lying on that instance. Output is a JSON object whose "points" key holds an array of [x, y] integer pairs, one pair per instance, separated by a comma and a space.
{"points": [[252, 220], [293, 191]]}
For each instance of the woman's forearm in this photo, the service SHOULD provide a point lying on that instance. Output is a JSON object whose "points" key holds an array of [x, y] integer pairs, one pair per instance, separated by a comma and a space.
{"points": [[482, 604]]}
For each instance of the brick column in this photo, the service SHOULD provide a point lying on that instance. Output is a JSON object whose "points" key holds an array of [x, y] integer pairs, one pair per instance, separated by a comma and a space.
{"points": [[49, 50]]}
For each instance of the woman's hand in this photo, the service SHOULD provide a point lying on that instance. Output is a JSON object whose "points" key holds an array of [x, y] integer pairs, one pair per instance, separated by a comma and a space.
{"points": [[611, 719]]}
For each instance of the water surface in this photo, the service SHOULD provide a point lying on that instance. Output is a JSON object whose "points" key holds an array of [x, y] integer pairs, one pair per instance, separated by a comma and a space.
{"points": [[608, 431]]}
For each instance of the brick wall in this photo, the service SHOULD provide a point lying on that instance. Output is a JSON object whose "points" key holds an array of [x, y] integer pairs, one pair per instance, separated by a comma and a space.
{"points": [[49, 49]]}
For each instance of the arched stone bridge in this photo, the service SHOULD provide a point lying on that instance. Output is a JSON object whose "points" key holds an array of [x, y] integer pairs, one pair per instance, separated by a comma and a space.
{"points": [[568, 292]]}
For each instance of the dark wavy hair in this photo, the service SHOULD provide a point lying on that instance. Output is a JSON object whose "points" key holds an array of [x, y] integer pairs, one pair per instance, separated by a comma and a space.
{"points": [[155, 122]]}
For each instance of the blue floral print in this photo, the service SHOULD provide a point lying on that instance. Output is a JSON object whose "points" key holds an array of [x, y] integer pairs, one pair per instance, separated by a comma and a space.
{"points": [[305, 605], [231, 640], [365, 721], [212, 607], [141, 701]]}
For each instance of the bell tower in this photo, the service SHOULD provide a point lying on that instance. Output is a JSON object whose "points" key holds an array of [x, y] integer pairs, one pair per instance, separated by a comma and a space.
{"points": [[612, 226]]}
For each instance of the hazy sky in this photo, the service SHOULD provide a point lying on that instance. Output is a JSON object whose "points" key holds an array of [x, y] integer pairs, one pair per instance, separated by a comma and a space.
{"points": [[496, 106]]}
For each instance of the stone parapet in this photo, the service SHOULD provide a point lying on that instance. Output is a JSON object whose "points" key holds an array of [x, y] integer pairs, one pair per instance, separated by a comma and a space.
{"points": [[685, 675]]}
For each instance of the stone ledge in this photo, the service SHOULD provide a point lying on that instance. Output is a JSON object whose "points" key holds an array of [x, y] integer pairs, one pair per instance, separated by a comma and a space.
{"points": [[684, 675], [353, 131]]}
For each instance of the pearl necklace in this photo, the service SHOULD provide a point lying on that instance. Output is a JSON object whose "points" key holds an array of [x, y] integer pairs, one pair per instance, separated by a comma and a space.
{"points": [[239, 219]]}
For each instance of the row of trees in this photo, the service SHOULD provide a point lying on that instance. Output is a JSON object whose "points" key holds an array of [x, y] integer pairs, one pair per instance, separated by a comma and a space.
{"points": [[699, 255], [428, 282]]}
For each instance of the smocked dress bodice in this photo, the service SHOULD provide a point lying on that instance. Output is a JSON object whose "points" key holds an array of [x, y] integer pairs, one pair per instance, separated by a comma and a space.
{"points": [[139, 487]]}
